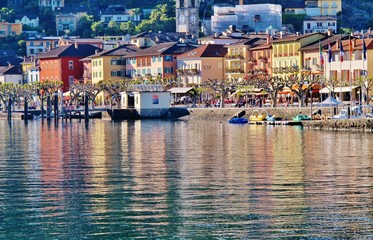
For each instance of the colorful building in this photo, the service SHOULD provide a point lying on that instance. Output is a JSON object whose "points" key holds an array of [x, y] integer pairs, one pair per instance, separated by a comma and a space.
{"points": [[287, 59], [7, 29], [63, 63], [35, 46], [238, 61], [201, 64], [110, 64], [157, 61]]}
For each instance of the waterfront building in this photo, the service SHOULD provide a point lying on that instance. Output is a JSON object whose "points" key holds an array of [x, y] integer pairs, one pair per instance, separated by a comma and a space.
{"points": [[238, 62], [287, 59], [201, 64], [11, 74], [156, 61], [149, 100], [347, 64], [249, 18], [63, 63], [110, 64], [261, 60]]}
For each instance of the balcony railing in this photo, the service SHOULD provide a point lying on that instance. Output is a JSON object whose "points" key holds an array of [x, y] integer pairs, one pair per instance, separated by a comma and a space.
{"points": [[191, 71], [234, 57], [234, 70]]}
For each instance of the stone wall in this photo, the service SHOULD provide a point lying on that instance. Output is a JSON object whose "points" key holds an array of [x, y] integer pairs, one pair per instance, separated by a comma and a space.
{"points": [[364, 124], [226, 113]]}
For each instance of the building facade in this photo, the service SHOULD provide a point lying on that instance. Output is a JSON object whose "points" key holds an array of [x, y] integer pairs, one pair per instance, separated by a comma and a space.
{"points": [[201, 64], [63, 63]]}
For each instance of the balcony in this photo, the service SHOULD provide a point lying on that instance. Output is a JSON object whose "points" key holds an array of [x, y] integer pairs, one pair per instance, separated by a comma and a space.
{"points": [[251, 61], [262, 59], [234, 57], [234, 70], [191, 71]]}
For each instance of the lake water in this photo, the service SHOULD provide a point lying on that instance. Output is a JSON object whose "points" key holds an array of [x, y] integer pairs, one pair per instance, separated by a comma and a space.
{"points": [[154, 179]]}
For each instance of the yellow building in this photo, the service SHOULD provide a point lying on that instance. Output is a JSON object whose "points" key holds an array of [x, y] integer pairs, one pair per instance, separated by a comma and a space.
{"points": [[238, 61], [330, 7], [7, 29], [287, 58], [110, 64]]}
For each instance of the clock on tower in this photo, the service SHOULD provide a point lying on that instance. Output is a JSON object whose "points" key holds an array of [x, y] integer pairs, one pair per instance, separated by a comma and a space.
{"points": [[187, 18]]}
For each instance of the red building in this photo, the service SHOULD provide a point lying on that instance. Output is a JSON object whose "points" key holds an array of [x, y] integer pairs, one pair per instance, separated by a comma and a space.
{"points": [[62, 63]]}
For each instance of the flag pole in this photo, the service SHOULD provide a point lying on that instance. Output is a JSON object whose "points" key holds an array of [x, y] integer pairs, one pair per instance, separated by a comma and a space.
{"points": [[351, 57]]}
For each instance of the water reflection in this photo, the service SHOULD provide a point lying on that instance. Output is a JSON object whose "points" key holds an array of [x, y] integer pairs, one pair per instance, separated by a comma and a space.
{"points": [[177, 179]]}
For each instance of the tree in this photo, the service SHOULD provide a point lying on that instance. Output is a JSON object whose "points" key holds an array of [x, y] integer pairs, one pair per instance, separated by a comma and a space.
{"points": [[301, 85], [128, 27], [272, 85], [85, 26], [98, 28], [332, 85], [7, 14], [222, 86], [47, 15], [114, 88], [366, 84]]}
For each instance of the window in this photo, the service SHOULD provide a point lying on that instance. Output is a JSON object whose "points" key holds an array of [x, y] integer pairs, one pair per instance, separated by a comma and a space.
{"points": [[71, 80], [168, 70], [119, 73], [168, 58], [319, 24], [71, 64], [308, 25], [118, 62], [314, 61]]}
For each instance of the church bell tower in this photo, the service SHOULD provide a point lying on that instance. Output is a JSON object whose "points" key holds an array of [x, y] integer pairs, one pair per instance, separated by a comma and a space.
{"points": [[187, 16]]}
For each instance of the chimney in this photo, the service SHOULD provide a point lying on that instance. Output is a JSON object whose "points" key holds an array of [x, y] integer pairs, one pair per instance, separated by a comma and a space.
{"points": [[281, 33], [76, 45], [330, 32], [297, 33], [353, 42], [240, 2], [97, 51]]}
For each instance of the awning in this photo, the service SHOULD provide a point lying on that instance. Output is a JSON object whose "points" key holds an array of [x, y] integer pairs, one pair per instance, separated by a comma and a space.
{"points": [[338, 89], [180, 89]]}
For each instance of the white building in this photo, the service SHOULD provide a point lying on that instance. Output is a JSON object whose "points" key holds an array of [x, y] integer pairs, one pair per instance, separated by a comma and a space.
{"points": [[52, 3], [32, 21], [148, 100], [319, 25], [119, 14], [249, 18], [11, 74], [33, 74]]}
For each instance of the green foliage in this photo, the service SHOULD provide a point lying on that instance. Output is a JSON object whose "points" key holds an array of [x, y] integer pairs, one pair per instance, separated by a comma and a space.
{"points": [[7, 14], [294, 19], [161, 19], [98, 28], [45, 16]]}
